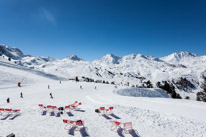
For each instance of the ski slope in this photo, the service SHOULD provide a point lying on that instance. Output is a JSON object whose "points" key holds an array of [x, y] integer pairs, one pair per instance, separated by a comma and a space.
{"points": [[151, 116]]}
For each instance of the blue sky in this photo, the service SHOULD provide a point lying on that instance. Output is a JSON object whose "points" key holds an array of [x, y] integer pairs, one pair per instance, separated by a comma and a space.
{"points": [[93, 28]]}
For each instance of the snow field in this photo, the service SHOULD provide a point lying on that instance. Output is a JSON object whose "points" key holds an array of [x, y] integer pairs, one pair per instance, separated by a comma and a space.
{"points": [[158, 117]]}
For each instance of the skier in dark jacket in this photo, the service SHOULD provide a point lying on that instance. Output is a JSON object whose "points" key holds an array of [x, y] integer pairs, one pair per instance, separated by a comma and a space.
{"points": [[8, 100], [21, 95], [51, 96]]}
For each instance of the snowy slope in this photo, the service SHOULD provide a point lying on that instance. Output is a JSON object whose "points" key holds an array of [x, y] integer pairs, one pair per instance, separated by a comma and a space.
{"points": [[74, 58], [157, 117], [131, 70], [7, 68], [185, 58], [108, 59], [11, 52], [177, 57]]}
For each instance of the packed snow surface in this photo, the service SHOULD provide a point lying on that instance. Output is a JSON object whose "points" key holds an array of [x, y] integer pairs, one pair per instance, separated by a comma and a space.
{"points": [[142, 92], [150, 117]]}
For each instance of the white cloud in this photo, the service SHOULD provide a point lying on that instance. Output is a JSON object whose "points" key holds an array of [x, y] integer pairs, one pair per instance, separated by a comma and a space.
{"points": [[48, 16]]}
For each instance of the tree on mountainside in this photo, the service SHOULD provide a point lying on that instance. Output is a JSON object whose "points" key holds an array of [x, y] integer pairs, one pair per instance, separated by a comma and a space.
{"points": [[184, 84], [112, 82], [203, 85], [201, 96], [77, 79], [148, 84], [187, 97], [169, 88]]}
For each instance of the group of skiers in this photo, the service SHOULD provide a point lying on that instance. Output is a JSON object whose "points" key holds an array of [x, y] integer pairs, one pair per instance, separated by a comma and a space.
{"points": [[51, 96], [21, 94], [8, 99]]}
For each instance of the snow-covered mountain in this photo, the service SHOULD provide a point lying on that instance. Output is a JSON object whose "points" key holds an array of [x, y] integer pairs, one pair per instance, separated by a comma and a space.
{"points": [[11, 52], [109, 59], [185, 58], [178, 56], [184, 72], [73, 58]]}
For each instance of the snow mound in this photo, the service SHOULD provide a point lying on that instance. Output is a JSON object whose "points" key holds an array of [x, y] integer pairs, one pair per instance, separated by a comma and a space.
{"points": [[142, 92]]}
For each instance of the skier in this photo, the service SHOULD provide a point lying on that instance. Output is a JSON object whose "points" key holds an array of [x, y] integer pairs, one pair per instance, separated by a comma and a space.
{"points": [[8, 100], [19, 84], [95, 87], [80, 87], [21, 95], [60, 82], [48, 87], [51, 96]]}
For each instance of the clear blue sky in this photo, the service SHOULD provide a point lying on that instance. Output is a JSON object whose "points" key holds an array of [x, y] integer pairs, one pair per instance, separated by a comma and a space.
{"points": [[93, 28]]}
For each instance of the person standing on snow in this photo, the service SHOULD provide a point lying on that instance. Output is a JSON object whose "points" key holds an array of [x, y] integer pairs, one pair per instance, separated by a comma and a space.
{"points": [[8, 100], [51, 96], [21, 95]]}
